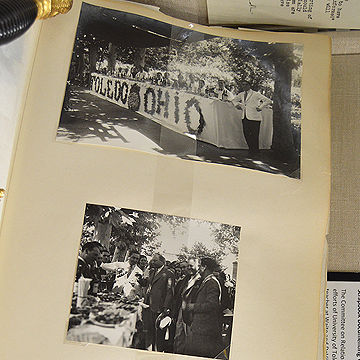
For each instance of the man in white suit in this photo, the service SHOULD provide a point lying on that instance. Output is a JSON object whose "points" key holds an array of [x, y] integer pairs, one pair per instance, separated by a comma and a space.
{"points": [[127, 273], [251, 103]]}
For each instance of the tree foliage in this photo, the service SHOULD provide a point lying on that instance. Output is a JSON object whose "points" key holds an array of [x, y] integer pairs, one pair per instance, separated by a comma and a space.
{"points": [[225, 240], [219, 57], [199, 250], [128, 228], [227, 237]]}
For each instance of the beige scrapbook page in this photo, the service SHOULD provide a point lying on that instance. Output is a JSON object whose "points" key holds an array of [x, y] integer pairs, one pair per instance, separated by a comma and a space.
{"points": [[155, 153]]}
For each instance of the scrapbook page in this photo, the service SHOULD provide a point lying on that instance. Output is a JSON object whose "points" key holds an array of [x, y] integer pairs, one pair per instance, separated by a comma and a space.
{"points": [[149, 216]]}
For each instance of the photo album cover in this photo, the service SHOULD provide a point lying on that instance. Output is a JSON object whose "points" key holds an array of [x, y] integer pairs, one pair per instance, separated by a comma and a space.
{"points": [[168, 192]]}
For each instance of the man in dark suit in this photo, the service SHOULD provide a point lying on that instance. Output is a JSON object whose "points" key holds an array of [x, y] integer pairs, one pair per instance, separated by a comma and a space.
{"points": [[159, 296], [204, 338], [90, 253], [185, 293]]}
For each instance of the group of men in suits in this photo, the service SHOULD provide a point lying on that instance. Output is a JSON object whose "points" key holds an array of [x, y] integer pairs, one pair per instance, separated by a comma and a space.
{"points": [[181, 314], [192, 302]]}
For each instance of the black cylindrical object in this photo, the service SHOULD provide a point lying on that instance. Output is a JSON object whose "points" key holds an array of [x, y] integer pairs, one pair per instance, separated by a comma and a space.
{"points": [[16, 16]]}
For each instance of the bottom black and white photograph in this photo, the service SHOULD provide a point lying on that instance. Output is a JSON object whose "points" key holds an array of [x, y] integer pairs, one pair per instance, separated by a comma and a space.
{"points": [[154, 282]]}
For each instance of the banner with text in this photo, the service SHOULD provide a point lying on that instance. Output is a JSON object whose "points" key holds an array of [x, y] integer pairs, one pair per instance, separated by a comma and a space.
{"points": [[208, 119]]}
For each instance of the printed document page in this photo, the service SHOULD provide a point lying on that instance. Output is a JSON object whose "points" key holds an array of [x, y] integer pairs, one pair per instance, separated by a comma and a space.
{"points": [[342, 14], [342, 320]]}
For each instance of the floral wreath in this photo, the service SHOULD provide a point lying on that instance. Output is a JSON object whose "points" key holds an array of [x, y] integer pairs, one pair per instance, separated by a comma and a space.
{"points": [[134, 98], [152, 91], [189, 103]]}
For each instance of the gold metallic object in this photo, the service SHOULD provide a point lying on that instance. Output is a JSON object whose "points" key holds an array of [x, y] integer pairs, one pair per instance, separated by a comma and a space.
{"points": [[51, 8], [2, 193]]}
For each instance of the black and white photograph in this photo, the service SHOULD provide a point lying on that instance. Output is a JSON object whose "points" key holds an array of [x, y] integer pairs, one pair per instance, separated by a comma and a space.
{"points": [[154, 282], [146, 85]]}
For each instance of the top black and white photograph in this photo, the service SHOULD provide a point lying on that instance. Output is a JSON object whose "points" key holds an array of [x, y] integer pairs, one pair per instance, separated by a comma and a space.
{"points": [[146, 85]]}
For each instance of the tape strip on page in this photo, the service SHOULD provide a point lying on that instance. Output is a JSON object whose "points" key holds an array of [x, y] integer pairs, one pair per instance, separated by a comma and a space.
{"points": [[173, 186]]}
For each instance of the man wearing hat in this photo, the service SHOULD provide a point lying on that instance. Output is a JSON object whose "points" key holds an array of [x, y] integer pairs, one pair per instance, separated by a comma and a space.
{"points": [[159, 296], [204, 338]]}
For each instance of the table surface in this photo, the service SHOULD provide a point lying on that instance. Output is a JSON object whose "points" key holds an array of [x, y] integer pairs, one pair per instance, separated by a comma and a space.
{"points": [[100, 332]]}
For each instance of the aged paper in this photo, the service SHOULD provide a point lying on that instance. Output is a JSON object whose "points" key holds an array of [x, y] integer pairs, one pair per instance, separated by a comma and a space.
{"points": [[283, 220], [342, 14]]}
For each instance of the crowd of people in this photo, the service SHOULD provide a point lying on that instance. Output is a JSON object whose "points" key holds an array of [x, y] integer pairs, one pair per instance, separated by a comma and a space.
{"points": [[202, 85], [188, 304]]}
